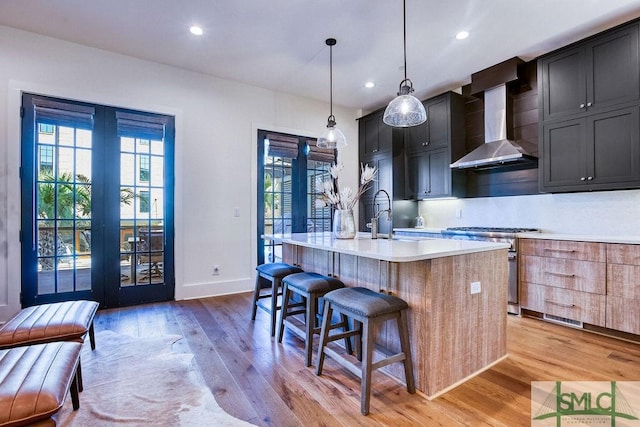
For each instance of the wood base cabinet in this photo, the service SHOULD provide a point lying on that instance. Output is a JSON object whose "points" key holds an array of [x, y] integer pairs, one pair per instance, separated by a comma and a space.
{"points": [[623, 288], [594, 283], [563, 278]]}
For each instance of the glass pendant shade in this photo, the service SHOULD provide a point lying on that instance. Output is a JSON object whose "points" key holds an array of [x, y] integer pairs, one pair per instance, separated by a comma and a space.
{"points": [[332, 137], [405, 111]]}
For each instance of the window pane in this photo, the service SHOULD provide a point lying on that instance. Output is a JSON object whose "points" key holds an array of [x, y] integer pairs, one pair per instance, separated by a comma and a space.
{"points": [[144, 201], [127, 169], [157, 171], [143, 174], [66, 136]]}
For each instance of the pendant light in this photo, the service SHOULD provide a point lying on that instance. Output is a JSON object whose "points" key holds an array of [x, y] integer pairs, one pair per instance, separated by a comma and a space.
{"points": [[332, 137], [405, 110]]}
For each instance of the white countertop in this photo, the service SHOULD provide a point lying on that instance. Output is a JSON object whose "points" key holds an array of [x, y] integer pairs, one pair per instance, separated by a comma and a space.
{"points": [[631, 239], [400, 249]]}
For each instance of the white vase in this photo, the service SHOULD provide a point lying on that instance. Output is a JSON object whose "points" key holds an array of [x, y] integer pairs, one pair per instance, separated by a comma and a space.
{"points": [[344, 225]]}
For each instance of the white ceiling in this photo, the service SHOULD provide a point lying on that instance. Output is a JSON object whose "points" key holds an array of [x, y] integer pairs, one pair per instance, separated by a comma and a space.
{"points": [[280, 44]]}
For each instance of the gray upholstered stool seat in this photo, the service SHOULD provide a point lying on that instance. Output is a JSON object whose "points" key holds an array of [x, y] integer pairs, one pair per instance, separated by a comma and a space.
{"points": [[272, 273], [368, 309], [311, 287]]}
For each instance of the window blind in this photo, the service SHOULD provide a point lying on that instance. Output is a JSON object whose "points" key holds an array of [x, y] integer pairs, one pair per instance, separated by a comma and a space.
{"points": [[63, 114], [141, 125], [320, 154], [282, 146]]}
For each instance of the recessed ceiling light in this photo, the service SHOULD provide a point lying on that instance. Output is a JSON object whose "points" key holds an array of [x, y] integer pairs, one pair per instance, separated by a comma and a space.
{"points": [[369, 85], [462, 35], [196, 30]]}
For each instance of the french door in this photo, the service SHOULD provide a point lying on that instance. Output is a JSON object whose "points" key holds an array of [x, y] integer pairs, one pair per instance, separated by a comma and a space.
{"points": [[289, 168], [97, 198]]}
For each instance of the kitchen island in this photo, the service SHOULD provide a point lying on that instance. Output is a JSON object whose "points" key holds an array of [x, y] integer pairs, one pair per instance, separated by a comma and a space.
{"points": [[455, 334]]}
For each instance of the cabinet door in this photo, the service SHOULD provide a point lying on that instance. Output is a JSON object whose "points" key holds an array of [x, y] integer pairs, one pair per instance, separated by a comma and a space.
{"points": [[614, 148], [563, 156], [375, 136], [613, 74], [432, 134], [563, 83], [428, 175], [417, 183], [439, 173], [384, 179]]}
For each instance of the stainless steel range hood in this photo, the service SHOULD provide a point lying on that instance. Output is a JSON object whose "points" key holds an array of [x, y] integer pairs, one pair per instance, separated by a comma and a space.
{"points": [[497, 149]]}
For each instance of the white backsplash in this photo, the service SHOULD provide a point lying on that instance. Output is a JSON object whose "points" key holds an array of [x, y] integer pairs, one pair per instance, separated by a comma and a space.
{"points": [[606, 213]]}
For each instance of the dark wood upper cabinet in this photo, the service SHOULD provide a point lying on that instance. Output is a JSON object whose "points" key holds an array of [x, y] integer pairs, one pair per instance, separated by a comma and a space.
{"points": [[591, 76], [432, 134], [382, 146], [431, 147], [375, 135], [599, 152], [590, 114]]}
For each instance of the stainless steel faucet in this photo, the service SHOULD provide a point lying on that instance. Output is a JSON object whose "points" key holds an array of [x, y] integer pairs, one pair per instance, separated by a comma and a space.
{"points": [[374, 221]]}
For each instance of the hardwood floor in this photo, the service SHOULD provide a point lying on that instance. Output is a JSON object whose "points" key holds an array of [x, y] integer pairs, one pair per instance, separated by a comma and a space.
{"points": [[266, 383]]}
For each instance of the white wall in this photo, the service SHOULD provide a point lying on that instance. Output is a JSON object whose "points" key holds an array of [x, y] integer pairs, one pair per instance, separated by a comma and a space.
{"points": [[216, 124], [603, 213]]}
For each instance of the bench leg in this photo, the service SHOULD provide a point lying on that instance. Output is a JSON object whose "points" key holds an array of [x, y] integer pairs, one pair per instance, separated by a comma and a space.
{"points": [[75, 399], [79, 375], [92, 336]]}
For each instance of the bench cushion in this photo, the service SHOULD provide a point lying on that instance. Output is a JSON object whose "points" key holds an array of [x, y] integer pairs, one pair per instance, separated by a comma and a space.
{"points": [[312, 282], [277, 269], [365, 302], [63, 321], [34, 381]]}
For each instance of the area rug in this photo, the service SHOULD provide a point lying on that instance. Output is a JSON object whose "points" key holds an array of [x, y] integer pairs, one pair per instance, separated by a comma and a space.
{"points": [[142, 382]]}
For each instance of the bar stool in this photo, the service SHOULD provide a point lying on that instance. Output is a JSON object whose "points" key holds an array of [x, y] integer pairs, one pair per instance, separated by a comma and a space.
{"points": [[367, 308], [311, 287], [274, 273]]}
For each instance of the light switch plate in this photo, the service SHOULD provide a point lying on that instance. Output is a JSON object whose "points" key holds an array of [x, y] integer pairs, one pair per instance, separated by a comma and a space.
{"points": [[475, 288]]}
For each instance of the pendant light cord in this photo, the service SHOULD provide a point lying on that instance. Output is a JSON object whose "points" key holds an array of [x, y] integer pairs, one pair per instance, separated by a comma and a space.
{"points": [[331, 79], [404, 36]]}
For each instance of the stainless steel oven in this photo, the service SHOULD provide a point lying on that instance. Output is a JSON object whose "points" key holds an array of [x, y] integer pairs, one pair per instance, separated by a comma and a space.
{"points": [[502, 235]]}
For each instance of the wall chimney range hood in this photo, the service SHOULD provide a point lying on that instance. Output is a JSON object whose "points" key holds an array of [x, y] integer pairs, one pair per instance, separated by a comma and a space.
{"points": [[498, 150]]}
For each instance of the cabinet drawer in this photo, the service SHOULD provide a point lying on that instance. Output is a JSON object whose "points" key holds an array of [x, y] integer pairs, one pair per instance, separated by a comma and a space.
{"points": [[585, 276], [580, 306], [624, 281], [586, 251], [623, 314], [623, 254]]}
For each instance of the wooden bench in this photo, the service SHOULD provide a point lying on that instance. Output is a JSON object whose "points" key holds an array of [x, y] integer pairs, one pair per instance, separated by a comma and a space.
{"points": [[61, 321], [34, 381]]}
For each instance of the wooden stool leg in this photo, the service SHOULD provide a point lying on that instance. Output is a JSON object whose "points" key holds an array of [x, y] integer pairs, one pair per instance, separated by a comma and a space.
{"points": [[357, 325], [365, 387], [284, 310], [256, 293], [275, 285], [309, 326], [324, 335], [345, 327], [403, 332]]}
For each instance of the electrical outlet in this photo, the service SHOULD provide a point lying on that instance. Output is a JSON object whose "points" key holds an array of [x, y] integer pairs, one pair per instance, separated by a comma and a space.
{"points": [[236, 212], [475, 288], [216, 270]]}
